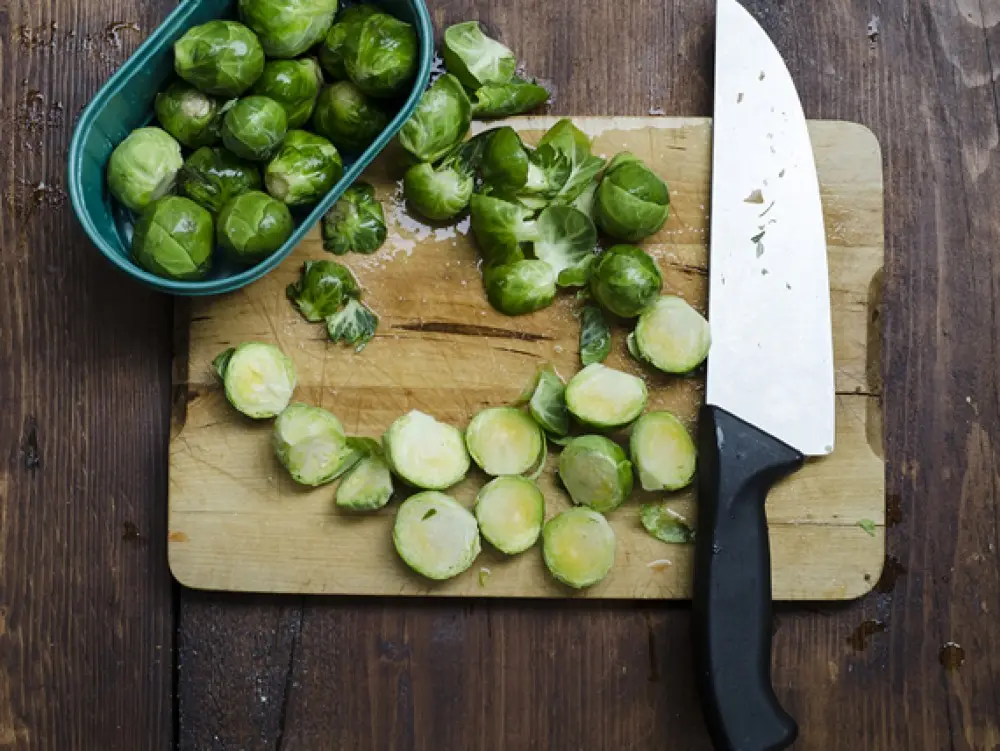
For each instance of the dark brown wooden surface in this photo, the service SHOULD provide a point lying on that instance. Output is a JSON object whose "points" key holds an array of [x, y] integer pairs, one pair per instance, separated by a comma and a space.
{"points": [[87, 620]]}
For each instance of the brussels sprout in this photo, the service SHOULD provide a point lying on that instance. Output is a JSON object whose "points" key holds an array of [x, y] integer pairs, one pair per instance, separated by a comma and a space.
{"points": [[504, 441], [254, 128], [310, 443], [499, 228], [604, 397], [287, 28], [548, 402], [219, 57], [322, 290], [306, 168], [671, 336], [173, 239], [632, 201], [355, 223], [426, 453], [442, 192], [505, 161], [435, 535], [144, 167], [578, 547], [518, 174], [573, 145], [662, 451], [191, 117], [595, 336], [252, 226], [294, 84], [510, 512], [475, 59], [331, 49], [567, 241], [507, 99], [440, 120], [347, 117], [355, 324], [520, 287], [367, 486], [625, 280], [213, 176], [596, 472], [380, 55], [259, 379], [665, 524]]}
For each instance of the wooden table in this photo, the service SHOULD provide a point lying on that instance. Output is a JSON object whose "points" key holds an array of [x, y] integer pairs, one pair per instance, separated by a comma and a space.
{"points": [[98, 648]]}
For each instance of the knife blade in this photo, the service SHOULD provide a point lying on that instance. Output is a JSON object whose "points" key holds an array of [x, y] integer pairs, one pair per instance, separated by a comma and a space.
{"points": [[770, 386]]}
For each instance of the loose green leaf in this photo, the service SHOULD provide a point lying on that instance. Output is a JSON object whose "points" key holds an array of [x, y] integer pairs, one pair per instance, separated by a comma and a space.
{"points": [[868, 526], [221, 362], [323, 289], [440, 120], [665, 524], [474, 58], [355, 324], [595, 336], [507, 99], [566, 241], [548, 402]]}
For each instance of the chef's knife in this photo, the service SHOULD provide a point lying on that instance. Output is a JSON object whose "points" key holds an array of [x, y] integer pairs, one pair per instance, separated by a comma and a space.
{"points": [[770, 391]]}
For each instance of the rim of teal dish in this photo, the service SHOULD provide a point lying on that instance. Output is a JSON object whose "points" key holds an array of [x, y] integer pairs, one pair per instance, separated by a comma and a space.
{"points": [[140, 58]]}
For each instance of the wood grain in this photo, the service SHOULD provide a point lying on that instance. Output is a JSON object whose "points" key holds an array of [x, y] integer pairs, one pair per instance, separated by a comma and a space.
{"points": [[86, 627]]}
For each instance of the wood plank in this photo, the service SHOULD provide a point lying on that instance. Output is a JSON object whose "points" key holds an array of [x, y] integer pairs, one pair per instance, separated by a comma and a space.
{"points": [[86, 630]]}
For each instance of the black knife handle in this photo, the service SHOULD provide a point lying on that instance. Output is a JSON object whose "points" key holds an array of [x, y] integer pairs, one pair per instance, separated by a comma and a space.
{"points": [[738, 464]]}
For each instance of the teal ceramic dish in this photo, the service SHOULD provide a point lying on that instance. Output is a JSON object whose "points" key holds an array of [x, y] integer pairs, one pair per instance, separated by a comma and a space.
{"points": [[125, 103]]}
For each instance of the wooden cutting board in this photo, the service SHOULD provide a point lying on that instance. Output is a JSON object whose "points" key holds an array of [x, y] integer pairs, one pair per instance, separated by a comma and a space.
{"points": [[237, 522]]}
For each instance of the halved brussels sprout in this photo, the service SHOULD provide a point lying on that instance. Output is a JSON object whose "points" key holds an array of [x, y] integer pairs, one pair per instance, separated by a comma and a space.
{"points": [[633, 202], [426, 453], [604, 397], [380, 55], [439, 122], [355, 325], [548, 402], [367, 486], [665, 524], [595, 336], [347, 117], [438, 193], [331, 50], [193, 118], [504, 441], [510, 512], [173, 239], [573, 146], [213, 176], [306, 167], [475, 59], [310, 443], [259, 378], [254, 128], [578, 547], [662, 451], [355, 223], [514, 97], [520, 287], [625, 280], [252, 226], [672, 336], [596, 472], [143, 167], [219, 57], [287, 28], [567, 241], [322, 290], [435, 535], [500, 227], [294, 84]]}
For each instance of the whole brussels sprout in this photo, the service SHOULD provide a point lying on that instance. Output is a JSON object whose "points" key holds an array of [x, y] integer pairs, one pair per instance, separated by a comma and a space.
{"points": [[324, 287], [438, 193], [304, 170], [474, 58], [212, 176], [287, 28], [347, 117], [191, 117], [625, 280], [380, 55], [331, 49], [440, 121], [254, 128], [632, 201], [252, 226], [173, 239], [355, 223], [520, 287], [144, 167], [294, 84], [219, 57]]}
